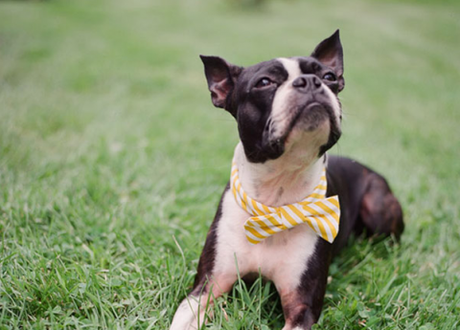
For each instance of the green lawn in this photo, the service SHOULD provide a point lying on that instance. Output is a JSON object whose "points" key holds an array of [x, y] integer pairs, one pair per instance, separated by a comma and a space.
{"points": [[112, 157]]}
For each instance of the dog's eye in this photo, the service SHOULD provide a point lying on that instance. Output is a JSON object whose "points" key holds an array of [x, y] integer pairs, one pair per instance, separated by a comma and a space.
{"points": [[329, 76], [264, 82]]}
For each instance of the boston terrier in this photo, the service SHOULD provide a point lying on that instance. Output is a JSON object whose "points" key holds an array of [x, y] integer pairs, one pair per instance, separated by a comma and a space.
{"points": [[288, 207]]}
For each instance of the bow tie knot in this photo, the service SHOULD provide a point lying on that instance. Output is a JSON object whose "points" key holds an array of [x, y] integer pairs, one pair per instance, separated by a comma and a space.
{"points": [[321, 213]]}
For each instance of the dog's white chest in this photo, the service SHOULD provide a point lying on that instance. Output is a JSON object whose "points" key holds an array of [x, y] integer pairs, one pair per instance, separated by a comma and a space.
{"points": [[282, 258]]}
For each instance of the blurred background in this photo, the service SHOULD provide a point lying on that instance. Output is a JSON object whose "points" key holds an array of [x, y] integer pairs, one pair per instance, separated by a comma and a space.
{"points": [[112, 157]]}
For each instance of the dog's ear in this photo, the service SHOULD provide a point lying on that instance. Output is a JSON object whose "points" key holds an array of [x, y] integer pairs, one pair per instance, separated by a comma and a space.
{"points": [[221, 77], [330, 53]]}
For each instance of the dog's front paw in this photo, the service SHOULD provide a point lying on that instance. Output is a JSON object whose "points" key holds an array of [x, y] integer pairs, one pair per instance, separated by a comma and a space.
{"points": [[186, 317], [287, 327]]}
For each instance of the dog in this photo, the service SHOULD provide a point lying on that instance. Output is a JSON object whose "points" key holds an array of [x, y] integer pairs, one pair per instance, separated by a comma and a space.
{"points": [[289, 207]]}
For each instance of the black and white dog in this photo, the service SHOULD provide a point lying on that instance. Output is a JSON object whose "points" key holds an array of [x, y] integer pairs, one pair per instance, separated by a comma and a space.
{"points": [[288, 116]]}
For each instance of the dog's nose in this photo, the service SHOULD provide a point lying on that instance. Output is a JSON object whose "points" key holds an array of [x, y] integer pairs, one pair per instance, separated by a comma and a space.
{"points": [[306, 82]]}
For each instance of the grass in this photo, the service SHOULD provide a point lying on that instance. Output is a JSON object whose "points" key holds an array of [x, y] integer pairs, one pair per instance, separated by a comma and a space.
{"points": [[112, 158]]}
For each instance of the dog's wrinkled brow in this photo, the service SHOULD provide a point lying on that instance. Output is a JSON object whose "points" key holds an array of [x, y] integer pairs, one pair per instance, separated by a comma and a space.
{"points": [[309, 65]]}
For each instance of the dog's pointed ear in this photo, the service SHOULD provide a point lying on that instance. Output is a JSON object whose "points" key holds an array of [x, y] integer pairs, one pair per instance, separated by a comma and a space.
{"points": [[221, 77], [330, 53]]}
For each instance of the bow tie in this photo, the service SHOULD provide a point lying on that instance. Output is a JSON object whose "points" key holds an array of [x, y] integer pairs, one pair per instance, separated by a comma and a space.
{"points": [[320, 213]]}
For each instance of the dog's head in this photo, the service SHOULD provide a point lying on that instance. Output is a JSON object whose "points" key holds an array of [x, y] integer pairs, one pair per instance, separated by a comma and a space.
{"points": [[282, 102]]}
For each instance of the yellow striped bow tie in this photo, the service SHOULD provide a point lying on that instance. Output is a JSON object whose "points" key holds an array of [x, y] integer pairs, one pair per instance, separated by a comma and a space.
{"points": [[320, 213]]}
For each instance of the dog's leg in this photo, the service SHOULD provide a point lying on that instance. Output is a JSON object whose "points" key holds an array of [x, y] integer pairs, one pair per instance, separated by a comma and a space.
{"points": [[302, 302], [380, 211], [299, 314], [302, 305], [192, 311], [190, 314]]}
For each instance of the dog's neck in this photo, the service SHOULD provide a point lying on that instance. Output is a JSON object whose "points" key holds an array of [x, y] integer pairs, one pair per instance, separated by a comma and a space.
{"points": [[286, 180]]}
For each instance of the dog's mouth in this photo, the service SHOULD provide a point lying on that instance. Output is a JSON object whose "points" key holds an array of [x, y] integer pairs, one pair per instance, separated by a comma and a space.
{"points": [[308, 117]]}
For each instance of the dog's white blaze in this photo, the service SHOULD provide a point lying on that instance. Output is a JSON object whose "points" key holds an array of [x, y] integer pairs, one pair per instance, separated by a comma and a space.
{"points": [[278, 116]]}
